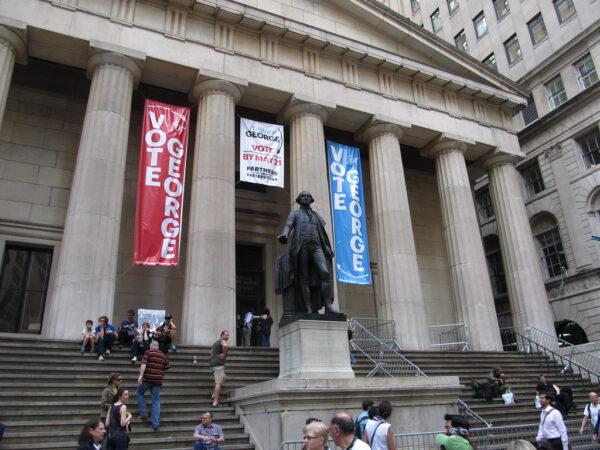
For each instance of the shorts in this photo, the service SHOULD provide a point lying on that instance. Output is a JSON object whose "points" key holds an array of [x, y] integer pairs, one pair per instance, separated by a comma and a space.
{"points": [[219, 373]]}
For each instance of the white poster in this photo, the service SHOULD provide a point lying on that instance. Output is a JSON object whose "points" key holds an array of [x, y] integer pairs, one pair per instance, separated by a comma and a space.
{"points": [[261, 152]]}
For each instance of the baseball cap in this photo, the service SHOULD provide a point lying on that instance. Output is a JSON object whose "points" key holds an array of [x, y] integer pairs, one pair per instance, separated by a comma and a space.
{"points": [[453, 442]]}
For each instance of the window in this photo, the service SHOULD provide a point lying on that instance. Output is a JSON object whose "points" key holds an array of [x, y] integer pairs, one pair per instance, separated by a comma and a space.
{"points": [[415, 5], [586, 72], [537, 29], [501, 7], [590, 148], [495, 265], [552, 253], [529, 113], [461, 41], [485, 209], [564, 9], [534, 182], [513, 49], [452, 6], [23, 286], [490, 61], [436, 21], [556, 92], [480, 25]]}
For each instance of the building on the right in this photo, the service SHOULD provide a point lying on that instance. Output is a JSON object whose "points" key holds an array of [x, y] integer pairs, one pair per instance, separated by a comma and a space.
{"points": [[552, 49]]}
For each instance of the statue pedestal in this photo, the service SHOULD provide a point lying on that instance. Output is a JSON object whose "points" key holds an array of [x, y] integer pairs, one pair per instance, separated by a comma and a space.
{"points": [[314, 349]]}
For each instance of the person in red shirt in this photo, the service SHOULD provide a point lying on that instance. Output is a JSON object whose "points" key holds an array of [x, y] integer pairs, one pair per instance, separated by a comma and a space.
{"points": [[153, 368]]}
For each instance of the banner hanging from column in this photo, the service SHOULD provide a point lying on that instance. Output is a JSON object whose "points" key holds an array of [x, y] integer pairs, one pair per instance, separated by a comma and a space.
{"points": [[161, 178], [261, 153], [348, 212]]}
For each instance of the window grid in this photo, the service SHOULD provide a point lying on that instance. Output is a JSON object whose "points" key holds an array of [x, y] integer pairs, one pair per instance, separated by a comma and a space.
{"points": [[556, 92], [436, 21], [452, 6], [484, 205], [480, 25], [529, 113], [590, 148], [461, 41], [501, 7], [586, 71], [537, 29], [564, 9], [513, 49], [490, 61], [552, 253], [415, 5], [497, 275], [534, 182]]}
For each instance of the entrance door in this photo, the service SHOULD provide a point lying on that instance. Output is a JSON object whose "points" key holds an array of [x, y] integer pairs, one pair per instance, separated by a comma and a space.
{"points": [[23, 286], [250, 283]]}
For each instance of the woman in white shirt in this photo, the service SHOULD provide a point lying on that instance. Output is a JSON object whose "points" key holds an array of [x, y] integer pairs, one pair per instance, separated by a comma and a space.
{"points": [[378, 432]]}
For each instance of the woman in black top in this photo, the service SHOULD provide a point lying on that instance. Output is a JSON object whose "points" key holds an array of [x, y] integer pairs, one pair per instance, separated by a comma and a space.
{"points": [[265, 322], [91, 435], [117, 422]]}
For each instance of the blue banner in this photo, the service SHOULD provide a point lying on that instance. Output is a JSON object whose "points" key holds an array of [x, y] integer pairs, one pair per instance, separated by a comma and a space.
{"points": [[349, 219]]}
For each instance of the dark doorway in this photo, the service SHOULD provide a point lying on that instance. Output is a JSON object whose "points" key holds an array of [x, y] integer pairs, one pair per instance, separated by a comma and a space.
{"points": [[250, 284], [571, 332], [23, 286]]}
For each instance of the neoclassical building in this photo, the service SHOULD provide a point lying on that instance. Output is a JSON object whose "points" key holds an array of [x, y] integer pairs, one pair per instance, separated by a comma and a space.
{"points": [[74, 77]]}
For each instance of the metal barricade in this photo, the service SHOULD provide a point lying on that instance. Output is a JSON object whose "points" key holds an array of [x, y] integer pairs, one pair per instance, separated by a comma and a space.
{"points": [[374, 339], [450, 336], [571, 357]]}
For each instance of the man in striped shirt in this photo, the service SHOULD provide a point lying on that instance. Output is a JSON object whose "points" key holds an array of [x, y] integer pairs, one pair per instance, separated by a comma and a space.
{"points": [[152, 371]]}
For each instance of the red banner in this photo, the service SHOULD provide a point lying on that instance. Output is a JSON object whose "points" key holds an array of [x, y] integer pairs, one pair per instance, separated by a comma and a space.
{"points": [[160, 184]]}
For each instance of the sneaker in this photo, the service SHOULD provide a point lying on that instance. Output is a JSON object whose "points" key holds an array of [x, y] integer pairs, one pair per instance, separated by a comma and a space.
{"points": [[107, 351], [100, 358], [155, 427], [134, 359], [173, 348], [82, 350], [144, 417]]}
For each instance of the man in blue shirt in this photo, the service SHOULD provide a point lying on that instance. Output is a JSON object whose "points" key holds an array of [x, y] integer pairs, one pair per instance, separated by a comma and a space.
{"points": [[105, 337], [208, 435], [128, 329]]}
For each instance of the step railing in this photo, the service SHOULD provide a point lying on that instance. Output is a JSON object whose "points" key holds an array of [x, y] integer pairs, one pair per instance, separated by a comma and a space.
{"points": [[449, 336], [571, 357], [464, 410], [375, 338]]}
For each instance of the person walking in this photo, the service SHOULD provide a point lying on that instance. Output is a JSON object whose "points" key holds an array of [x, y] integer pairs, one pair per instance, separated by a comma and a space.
{"points": [[109, 392], [590, 413], [266, 322], [217, 364], [152, 371], [342, 433], [91, 435], [552, 430], [117, 422], [378, 431]]}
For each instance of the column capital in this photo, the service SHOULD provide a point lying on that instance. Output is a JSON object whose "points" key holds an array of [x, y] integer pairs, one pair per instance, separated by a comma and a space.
{"points": [[101, 53], [302, 104], [13, 34], [210, 81], [492, 160], [378, 124], [446, 143]]}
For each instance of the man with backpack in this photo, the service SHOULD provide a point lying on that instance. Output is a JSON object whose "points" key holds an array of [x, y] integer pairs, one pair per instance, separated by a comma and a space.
{"points": [[362, 419], [590, 412]]}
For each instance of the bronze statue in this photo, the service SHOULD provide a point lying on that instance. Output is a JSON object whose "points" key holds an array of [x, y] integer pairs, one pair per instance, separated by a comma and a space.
{"points": [[304, 273]]}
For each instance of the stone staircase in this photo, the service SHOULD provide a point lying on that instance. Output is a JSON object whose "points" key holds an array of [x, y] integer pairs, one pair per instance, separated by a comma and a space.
{"points": [[48, 390]]}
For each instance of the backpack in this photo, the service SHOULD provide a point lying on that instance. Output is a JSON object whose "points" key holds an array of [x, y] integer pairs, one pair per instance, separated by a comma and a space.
{"points": [[357, 426]]}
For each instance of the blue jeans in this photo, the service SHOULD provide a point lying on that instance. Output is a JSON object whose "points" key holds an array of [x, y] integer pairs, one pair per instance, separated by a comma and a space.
{"points": [[105, 342], [352, 358], [199, 445], [265, 341], [141, 401]]}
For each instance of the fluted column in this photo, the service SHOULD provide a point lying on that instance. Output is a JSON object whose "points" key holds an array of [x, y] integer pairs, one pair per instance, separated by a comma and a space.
{"points": [[85, 282], [12, 47], [399, 279], [469, 277], [209, 295], [308, 165], [308, 160], [526, 290]]}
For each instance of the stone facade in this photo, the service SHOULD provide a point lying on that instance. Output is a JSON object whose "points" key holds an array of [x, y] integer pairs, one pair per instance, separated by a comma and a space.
{"points": [[350, 70]]}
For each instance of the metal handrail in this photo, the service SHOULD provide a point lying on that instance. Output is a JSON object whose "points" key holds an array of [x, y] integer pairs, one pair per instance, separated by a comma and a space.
{"points": [[571, 357], [469, 412], [382, 354]]}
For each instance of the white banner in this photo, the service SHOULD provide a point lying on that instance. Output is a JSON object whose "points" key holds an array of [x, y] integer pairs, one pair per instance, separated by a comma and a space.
{"points": [[261, 153]]}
